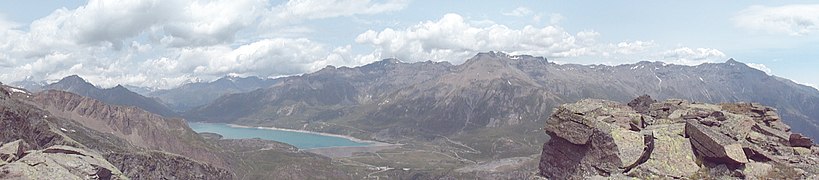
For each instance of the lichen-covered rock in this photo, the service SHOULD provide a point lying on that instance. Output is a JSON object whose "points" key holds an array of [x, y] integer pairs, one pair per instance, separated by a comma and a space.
{"points": [[589, 139], [673, 139], [60, 162], [12, 151], [757, 170], [671, 157], [713, 145]]}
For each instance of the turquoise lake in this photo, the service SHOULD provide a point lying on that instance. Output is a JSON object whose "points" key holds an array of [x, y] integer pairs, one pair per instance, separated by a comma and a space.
{"points": [[302, 140]]}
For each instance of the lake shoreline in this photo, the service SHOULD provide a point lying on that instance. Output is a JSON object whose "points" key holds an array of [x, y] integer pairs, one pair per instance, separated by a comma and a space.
{"points": [[370, 143], [308, 132]]}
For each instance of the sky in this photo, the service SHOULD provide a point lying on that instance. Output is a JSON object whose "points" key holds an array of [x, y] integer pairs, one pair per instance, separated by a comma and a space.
{"points": [[165, 43]]}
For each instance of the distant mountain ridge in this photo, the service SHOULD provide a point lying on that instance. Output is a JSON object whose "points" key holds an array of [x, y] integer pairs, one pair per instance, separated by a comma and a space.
{"points": [[493, 90], [117, 95], [191, 95]]}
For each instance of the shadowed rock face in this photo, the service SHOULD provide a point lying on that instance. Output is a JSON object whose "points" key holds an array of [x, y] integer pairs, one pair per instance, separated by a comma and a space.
{"points": [[673, 139]]}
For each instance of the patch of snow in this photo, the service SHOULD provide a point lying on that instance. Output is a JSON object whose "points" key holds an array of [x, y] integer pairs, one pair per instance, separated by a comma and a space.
{"points": [[381, 168], [702, 79], [63, 129], [384, 102], [19, 91], [507, 82], [514, 57], [658, 78]]}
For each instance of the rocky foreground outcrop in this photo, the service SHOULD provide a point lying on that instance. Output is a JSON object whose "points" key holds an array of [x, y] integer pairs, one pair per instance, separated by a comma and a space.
{"points": [[674, 139], [18, 161]]}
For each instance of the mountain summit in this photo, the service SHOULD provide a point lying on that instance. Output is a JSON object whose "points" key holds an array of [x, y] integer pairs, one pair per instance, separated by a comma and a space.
{"points": [[117, 95]]}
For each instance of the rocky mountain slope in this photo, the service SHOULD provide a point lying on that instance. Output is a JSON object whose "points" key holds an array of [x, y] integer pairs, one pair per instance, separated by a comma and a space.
{"points": [[492, 105], [675, 138], [22, 119], [318, 96], [137, 126], [117, 95], [188, 96]]}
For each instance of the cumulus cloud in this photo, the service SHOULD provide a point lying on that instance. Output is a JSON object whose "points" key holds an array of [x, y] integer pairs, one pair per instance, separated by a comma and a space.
{"points": [[795, 20], [453, 39], [632, 47], [554, 18], [692, 56], [298, 10], [6, 24], [164, 43], [519, 12], [760, 67], [211, 22]]}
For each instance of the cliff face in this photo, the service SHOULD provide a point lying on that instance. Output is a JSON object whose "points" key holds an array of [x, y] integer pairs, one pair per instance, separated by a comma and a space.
{"points": [[673, 139], [138, 127], [21, 119]]}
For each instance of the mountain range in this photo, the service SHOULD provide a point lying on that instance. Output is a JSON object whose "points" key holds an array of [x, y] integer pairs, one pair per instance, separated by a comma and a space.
{"points": [[118, 95], [389, 99], [482, 118], [166, 102], [196, 94]]}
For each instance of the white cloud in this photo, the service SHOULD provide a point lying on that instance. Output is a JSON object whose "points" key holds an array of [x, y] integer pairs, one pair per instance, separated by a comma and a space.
{"points": [[795, 20], [6, 24], [212, 22], [164, 43], [452, 39], [519, 12], [266, 58], [632, 47], [298, 10], [554, 18], [102, 21], [760, 67], [689, 56]]}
